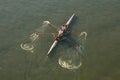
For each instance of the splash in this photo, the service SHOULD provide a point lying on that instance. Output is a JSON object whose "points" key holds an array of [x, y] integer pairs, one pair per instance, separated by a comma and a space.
{"points": [[81, 39], [46, 22], [70, 60], [84, 34], [29, 43]]}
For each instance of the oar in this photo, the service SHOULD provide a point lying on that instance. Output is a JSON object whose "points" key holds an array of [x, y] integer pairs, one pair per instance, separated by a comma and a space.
{"points": [[81, 33], [51, 25], [73, 42], [41, 33]]}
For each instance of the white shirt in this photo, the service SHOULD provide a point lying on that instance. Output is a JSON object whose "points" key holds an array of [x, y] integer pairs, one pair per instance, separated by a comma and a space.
{"points": [[60, 32], [64, 28]]}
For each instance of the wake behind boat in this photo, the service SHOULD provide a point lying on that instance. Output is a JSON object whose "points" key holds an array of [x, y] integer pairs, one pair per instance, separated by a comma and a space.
{"points": [[61, 32]]}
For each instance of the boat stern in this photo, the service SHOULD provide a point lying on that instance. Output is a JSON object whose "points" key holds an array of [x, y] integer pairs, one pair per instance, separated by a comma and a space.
{"points": [[53, 45]]}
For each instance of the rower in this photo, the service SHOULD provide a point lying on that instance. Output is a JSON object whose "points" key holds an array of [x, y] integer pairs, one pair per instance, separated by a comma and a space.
{"points": [[64, 28], [60, 33]]}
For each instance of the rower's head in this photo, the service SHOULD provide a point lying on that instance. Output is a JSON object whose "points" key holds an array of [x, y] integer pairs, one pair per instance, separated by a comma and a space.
{"points": [[64, 25]]}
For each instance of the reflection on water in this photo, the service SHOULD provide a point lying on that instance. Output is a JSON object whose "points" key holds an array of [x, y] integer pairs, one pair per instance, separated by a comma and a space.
{"points": [[72, 59]]}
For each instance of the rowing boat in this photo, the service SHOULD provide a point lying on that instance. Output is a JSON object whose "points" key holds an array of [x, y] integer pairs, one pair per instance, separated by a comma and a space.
{"points": [[57, 40]]}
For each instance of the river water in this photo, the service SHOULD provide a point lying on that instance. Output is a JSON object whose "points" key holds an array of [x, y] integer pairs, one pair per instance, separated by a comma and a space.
{"points": [[97, 60]]}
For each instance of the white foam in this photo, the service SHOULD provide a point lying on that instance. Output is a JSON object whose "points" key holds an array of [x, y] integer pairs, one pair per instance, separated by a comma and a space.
{"points": [[70, 60], [29, 43], [27, 47], [68, 64], [46, 22]]}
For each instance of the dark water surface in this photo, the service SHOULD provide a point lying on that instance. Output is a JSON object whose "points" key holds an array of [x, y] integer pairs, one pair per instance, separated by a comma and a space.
{"points": [[20, 18]]}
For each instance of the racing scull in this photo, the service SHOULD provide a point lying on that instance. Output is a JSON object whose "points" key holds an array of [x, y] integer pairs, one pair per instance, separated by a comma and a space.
{"points": [[58, 38]]}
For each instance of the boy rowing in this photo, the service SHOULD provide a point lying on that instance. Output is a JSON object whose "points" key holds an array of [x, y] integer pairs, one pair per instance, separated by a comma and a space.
{"points": [[61, 32]]}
